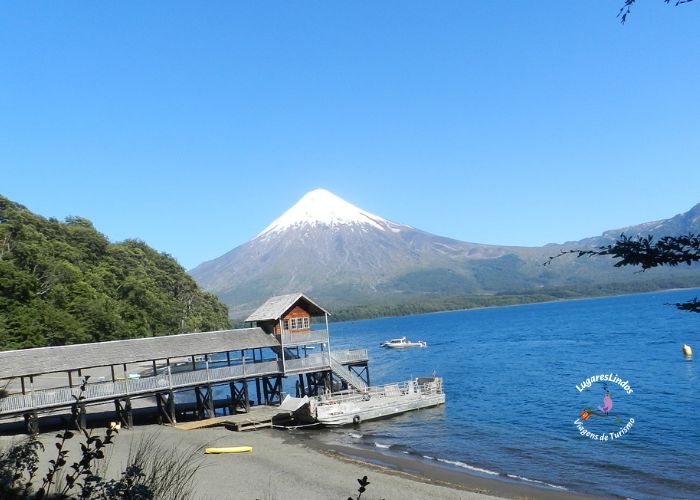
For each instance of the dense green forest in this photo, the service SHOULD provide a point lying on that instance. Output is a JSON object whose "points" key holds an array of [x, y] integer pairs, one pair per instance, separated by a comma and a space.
{"points": [[66, 283]]}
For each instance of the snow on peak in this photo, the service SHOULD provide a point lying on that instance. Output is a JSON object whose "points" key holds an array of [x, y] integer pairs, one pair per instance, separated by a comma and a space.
{"points": [[321, 207]]}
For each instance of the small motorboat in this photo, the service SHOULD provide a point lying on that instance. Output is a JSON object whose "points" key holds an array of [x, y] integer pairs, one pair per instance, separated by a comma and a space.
{"points": [[402, 343]]}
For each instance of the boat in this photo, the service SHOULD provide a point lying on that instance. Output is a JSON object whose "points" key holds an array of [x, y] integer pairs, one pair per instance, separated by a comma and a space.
{"points": [[402, 343], [376, 402]]}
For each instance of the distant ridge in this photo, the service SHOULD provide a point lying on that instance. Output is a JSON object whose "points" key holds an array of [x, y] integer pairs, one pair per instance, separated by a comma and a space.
{"points": [[343, 256]]}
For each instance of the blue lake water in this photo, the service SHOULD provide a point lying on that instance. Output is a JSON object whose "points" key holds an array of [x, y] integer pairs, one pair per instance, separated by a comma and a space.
{"points": [[511, 377]]}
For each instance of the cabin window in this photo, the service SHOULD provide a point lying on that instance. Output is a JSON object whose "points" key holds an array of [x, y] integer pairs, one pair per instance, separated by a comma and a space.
{"points": [[297, 324]]}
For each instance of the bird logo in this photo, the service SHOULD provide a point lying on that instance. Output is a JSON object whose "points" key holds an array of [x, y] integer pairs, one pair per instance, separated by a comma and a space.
{"points": [[607, 403]]}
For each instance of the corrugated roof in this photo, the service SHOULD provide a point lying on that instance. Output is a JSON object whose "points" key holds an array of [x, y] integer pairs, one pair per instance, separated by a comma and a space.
{"points": [[275, 307], [80, 356]]}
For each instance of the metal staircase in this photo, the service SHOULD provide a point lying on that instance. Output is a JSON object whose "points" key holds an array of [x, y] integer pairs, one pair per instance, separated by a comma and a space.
{"points": [[338, 369], [348, 376]]}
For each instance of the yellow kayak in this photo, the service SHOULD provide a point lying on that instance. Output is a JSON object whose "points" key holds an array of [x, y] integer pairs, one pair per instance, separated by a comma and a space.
{"points": [[232, 449]]}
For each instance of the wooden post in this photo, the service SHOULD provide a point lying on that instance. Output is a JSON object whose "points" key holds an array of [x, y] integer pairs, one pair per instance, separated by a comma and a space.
{"points": [[78, 416], [70, 378], [124, 412], [200, 406], [31, 392], [129, 414], [328, 336], [159, 403], [155, 371], [282, 344], [24, 391], [126, 380], [170, 377], [210, 391], [111, 367], [31, 422], [232, 397], [171, 407]]}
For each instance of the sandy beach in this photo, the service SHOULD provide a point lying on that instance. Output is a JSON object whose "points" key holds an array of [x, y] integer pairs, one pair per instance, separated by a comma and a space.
{"points": [[281, 466]]}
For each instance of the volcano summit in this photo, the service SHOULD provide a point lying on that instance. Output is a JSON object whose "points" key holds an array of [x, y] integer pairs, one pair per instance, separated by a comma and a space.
{"points": [[345, 256]]}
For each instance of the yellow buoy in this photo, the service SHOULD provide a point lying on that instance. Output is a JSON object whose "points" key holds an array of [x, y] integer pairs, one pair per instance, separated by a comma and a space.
{"points": [[687, 351], [231, 449]]}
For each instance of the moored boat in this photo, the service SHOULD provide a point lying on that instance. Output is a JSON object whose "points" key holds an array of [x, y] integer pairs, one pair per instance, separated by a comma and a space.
{"points": [[377, 402], [402, 343]]}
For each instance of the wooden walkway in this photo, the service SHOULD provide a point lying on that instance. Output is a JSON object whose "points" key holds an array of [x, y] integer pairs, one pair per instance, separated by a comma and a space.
{"points": [[257, 418]]}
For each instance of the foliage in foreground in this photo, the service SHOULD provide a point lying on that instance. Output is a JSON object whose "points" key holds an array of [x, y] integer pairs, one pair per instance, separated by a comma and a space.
{"points": [[153, 472], [65, 283]]}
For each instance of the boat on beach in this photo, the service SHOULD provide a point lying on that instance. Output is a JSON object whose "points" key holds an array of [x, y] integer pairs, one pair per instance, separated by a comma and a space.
{"points": [[376, 402], [402, 343]]}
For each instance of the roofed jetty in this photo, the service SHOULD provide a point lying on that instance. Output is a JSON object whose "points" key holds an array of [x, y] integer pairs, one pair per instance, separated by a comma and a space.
{"points": [[287, 339]]}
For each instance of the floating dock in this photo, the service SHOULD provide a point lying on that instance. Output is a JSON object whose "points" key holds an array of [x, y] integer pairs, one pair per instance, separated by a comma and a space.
{"points": [[258, 417]]}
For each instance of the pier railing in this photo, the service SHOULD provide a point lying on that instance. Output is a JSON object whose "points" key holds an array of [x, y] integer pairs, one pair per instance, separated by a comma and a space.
{"points": [[164, 381], [419, 387], [313, 362], [167, 380], [350, 355], [313, 337]]}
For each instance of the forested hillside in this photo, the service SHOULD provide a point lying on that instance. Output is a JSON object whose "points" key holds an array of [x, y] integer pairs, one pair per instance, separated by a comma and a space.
{"points": [[65, 283]]}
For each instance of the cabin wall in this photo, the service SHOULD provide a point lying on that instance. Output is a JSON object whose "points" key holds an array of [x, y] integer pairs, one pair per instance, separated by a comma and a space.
{"points": [[302, 317]]}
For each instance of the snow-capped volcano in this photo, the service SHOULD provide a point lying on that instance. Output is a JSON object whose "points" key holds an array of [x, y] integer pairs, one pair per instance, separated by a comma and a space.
{"points": [[342, 255], [321, 207], [336, 252]]}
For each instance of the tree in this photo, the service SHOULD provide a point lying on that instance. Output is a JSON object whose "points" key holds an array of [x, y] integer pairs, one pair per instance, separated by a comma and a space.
{"points": [[646, 253], [66, 283], [627, 7]]}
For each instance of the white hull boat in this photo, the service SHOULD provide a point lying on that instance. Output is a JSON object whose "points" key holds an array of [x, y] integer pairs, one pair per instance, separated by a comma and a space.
{"points": [[377, 402], [402, 343]]}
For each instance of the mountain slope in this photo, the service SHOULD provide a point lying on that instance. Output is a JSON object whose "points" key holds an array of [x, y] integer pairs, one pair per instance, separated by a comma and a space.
{"points": [[687, 222], [344, 256]]}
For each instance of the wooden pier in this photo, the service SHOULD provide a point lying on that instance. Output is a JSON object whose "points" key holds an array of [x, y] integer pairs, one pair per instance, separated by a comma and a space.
{"points": [[249, 363]]}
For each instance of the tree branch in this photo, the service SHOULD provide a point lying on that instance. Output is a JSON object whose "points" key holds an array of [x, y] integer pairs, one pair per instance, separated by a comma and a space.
{"points": [[691, 305], [644, 252], [627, 7]]}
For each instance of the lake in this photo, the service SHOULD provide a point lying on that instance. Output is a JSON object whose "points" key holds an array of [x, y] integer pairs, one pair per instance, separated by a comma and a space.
{"points": [[517, 379]]}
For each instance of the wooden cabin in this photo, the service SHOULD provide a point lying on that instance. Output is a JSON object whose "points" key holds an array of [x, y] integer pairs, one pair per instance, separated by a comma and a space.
{"points": [[290, 313]]}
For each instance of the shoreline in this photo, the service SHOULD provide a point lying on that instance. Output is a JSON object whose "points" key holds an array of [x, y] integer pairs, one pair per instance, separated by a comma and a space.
{"points": [[434, 474], [533, 303], [286, 466]]}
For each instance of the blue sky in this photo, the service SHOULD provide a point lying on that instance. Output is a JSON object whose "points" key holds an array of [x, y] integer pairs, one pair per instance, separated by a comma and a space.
{"points": [[192, 126]]}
